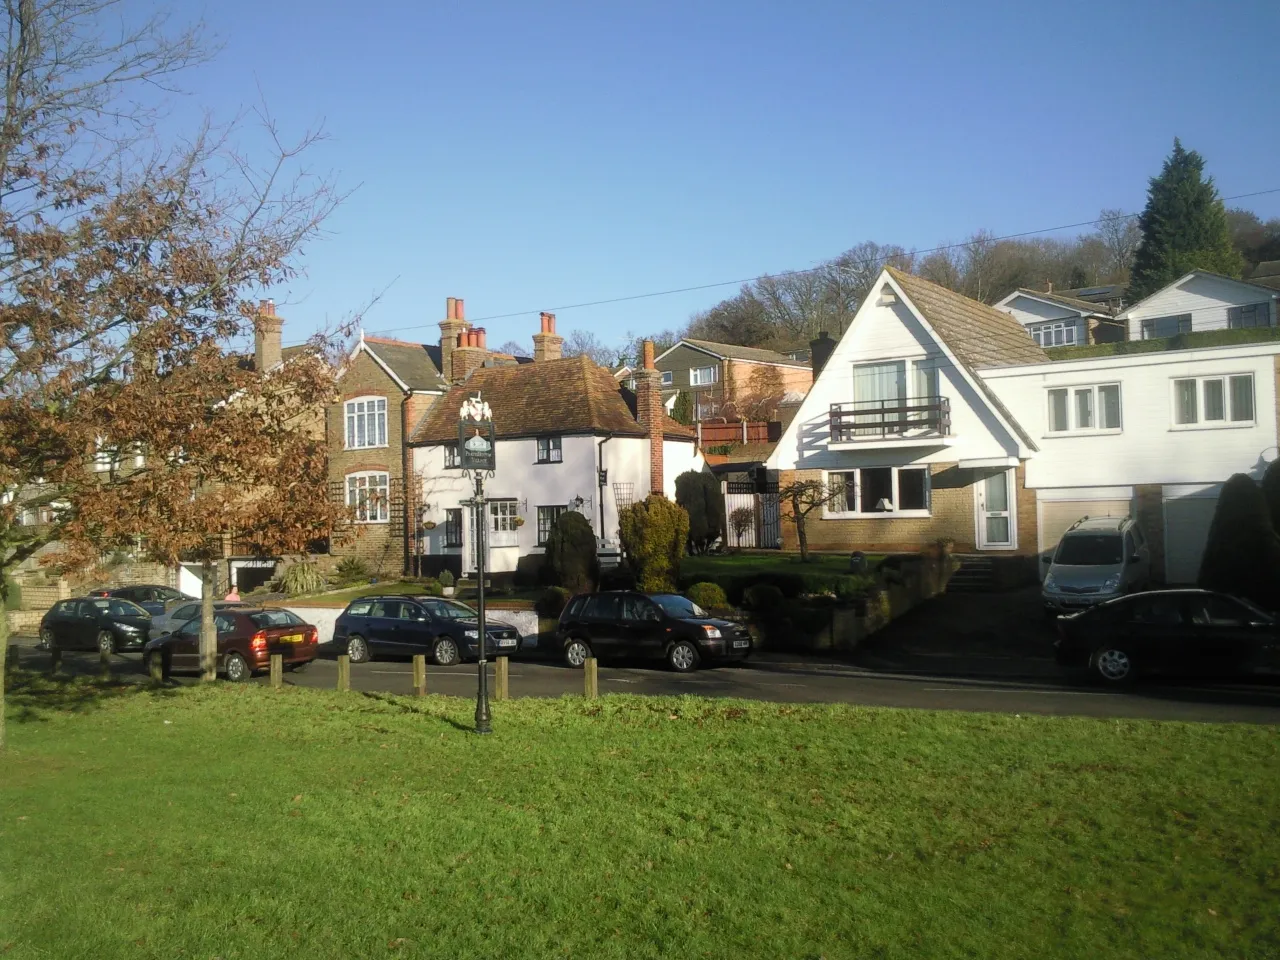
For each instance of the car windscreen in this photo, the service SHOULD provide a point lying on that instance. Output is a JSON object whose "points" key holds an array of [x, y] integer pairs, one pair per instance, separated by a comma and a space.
{"points": [[115, 607], [1090, 550], [448, 610], [680, 607], [276, 618]]}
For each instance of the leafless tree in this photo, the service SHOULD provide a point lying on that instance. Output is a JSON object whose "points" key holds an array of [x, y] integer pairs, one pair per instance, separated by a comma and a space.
{"points": [[515, 348], [584, 343], [1121, 235]]}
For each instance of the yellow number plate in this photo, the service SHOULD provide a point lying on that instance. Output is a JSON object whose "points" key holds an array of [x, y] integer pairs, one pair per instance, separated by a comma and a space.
{"points": [[292, 638]]}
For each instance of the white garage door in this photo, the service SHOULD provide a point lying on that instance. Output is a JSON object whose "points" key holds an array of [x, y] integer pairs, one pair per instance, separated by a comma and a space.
{"points": [[1056, 516], [1186, 529]]}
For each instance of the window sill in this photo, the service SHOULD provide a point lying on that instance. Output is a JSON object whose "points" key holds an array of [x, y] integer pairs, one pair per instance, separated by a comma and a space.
{"points": [[548, 462], [881, 515], [372, 446], [367, 523], [1064, 434], [1214, 425]]}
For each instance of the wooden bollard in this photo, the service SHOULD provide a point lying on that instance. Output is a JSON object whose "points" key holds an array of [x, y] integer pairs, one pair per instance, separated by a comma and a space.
{"points": [[55, 660], [277, 671], [344, 673], [155, 666], [104, 665], [501, 679], [419, 674], [590, 679]]}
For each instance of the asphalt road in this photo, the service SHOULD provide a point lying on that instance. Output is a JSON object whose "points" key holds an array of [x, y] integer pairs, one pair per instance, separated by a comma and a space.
{"points": [[792, 681]]}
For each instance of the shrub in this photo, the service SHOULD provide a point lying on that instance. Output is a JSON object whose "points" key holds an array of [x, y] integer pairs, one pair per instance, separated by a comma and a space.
{"points": [[709, 596], [551, 604], [621, 577], [654, 532], [302, 578], [352, 569], [571, 552], [762, 598], [741, 520], [699, 493], [432, 588], [446, 578], [682, 410], [12, 594], [1242, 555]]}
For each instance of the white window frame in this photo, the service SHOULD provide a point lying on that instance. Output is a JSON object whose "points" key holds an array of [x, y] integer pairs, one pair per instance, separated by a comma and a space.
{"points": [[695, 375], [105, 459], [451, 461], [835, 510], [1073, 410], [668, 379], [1068, 329], [503, 531], [367, 480], [371, 411], [1227, 423]]}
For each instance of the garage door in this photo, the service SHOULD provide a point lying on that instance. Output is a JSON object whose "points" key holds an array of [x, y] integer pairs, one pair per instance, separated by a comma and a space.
{"points": [[1186, 529], [1056, 516]]}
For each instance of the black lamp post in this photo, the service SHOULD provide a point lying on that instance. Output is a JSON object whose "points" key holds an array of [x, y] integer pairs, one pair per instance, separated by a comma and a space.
{"points": [[477, 454]]}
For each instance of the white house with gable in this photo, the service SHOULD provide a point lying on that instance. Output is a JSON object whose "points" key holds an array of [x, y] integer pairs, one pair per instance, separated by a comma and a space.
{"points": [[1201, 301], [939, 418], [1054, 320]]}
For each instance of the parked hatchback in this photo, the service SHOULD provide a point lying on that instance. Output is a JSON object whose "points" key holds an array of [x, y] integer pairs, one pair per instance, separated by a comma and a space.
{"points": [[446, 630], [660, 626], [108, 624], [184, 612], [153, 598], [247, 637], [1191, 632], [1097, 559]]}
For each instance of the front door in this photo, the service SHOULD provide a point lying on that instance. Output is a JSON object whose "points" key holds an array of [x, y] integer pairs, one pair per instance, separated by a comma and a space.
{"points": [[995, 511]]}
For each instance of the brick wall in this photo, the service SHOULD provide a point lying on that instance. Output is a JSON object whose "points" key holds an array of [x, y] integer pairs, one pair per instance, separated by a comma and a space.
{"points": [[952, 508]]}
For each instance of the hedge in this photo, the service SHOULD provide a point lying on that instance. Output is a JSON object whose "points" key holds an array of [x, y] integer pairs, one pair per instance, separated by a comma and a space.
{"points": [[1183, 341]]}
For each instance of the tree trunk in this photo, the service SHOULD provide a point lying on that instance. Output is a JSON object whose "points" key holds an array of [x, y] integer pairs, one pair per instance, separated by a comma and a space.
{"points": [[208, 635], [4, 654], [803, 536]]}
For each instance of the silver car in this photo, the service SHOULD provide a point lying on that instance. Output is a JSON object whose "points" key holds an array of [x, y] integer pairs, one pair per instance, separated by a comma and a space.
{"points": [[1097, 559], [180, 614]]}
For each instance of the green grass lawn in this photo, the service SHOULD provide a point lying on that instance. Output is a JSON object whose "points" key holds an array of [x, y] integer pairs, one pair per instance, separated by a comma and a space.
{"points": [[232, 821], [520, 599]]}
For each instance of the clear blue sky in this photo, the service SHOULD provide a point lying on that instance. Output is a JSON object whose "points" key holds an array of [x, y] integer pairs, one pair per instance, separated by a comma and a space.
{"points": [[525, 155]]}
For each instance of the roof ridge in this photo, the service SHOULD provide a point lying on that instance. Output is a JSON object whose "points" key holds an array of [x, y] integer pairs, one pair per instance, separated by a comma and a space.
{"points": [[394, 342]]}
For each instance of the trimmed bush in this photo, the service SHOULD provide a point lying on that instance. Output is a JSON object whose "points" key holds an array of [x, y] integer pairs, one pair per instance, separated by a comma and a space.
{"points": [[302, 578], [432, 588], [446, 578], [654, 532], [708, 596], [1242, 554], [682, 410], [1183, 341], [351, 569], [551, 604], [763, 598], [699, 493], [843, 585], [571, 552]]}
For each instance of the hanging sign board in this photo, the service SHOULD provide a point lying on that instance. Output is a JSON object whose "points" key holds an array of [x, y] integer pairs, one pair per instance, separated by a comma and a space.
{"points": [[476, 450]]}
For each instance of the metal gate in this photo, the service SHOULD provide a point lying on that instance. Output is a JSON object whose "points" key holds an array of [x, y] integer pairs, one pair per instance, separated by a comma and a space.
{"points": [[765, 527]]}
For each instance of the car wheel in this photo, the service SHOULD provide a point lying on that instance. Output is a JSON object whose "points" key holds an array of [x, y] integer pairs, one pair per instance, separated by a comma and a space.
{"points": [[683, 656], [1113, 665], [357, 649], [576, 653], [46, 639], [237, 668], [106, 643], [445, 652]]}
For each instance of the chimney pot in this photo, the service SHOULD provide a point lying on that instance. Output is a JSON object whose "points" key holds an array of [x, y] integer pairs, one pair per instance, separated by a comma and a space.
{"points": [[450, 308], [480, 337], [648, 355], [460, 314]]}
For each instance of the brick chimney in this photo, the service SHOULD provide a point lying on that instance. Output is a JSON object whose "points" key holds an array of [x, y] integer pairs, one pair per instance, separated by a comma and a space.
{"points": [[267, 350], [468, 354], [651, 414], [451, 327], [546, 345]]}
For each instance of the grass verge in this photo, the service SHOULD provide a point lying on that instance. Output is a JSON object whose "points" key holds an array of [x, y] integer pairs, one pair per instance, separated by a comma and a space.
{"points": [[232, 821]]}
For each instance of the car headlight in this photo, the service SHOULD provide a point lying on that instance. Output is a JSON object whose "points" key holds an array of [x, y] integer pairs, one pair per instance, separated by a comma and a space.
{"points": [[471, 634], [128, 628], [1112, 583], [712, 632], [1050, 583]]}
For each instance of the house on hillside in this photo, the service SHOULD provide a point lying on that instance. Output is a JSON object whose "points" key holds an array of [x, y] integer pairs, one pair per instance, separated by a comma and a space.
{"points": [[726, 380], [1054, 320], [568, 437], [940, 418], [1266, 274], [1201, 301]]}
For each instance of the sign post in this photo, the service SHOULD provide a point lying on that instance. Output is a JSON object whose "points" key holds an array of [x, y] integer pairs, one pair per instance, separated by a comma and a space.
{"points": [[477, 455]]}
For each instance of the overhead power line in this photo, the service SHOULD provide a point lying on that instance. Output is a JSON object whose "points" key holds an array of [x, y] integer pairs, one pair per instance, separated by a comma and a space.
{"points": [[800, 272]]}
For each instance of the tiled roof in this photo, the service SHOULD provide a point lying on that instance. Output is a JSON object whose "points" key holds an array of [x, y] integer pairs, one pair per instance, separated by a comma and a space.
{"points": [[1071, 303], [735, 352], [979, 335], [567, 396], [1267, 268], [416, 364]]}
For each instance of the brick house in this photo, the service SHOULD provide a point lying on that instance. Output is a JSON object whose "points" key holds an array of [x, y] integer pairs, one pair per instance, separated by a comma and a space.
{"points": [[726, 380], [940, 417]]}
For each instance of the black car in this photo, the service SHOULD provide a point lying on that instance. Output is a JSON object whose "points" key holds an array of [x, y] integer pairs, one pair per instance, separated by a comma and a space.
{"points": [[1192, 632], [399, 626], [151, 597], [95, 623], [622, 623]]}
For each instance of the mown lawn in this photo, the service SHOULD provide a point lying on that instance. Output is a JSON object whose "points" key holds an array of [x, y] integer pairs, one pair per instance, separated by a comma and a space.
{"points": [[238, 822]]}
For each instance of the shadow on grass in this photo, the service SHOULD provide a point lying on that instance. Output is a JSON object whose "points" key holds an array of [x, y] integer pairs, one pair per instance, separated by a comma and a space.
{"points": [[400, 704], [33, 696]]}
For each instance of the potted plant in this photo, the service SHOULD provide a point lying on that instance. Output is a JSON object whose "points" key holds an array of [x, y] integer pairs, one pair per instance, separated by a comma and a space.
{"points": [[446, 582]]}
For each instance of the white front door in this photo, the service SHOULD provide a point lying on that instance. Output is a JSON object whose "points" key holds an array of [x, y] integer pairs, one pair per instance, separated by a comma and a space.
{"points": [[996, 518]]}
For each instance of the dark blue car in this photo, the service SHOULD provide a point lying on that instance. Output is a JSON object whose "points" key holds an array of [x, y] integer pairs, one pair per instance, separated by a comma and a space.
{"points": [[445, 630]]}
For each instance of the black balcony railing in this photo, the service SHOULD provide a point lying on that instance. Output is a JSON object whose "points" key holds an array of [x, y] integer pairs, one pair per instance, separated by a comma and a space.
{"points": [[911, 416]]}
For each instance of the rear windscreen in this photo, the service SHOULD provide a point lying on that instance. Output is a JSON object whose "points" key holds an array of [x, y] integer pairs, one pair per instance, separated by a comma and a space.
{"points": [[276, 618], [1090, 550]]}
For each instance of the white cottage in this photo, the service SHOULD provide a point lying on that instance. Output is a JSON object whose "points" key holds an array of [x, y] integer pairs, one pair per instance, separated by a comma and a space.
{"points": [[1201, 301], [943, 419], [1054, 320], [569, 437]]}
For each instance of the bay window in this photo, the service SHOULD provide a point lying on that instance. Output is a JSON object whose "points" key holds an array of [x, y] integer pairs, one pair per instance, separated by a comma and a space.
{"points": [[869, 491]]}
